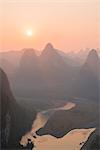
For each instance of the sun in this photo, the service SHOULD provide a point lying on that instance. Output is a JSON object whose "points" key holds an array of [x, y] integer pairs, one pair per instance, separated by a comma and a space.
{"points": [[29, 32]]}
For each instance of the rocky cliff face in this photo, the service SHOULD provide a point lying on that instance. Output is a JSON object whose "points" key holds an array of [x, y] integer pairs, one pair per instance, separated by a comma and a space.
{"points": [[15, 121]]}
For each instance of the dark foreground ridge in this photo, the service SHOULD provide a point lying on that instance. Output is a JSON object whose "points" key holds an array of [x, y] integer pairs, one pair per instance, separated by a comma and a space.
{"points": [[15, 121]]}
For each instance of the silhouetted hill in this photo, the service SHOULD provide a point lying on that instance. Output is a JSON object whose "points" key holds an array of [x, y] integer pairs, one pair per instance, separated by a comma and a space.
{"points": [[51, 56], [93, 62], [87, 81], [28, 73], [55, 70], [29, 62], [15, 121]]}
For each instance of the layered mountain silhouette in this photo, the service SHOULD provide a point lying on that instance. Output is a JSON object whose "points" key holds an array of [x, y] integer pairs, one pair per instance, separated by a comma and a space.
{"points": [[10, 60], [52, 70], [47, 71], [15, 120]]}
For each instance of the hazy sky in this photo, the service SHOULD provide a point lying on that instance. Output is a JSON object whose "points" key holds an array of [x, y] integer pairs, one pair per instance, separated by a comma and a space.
{"points": [[68, 24]]}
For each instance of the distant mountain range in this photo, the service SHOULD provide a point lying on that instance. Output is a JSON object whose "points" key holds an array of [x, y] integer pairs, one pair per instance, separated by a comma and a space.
{"points": [[52, 70], [72, 57], [47, 71]]}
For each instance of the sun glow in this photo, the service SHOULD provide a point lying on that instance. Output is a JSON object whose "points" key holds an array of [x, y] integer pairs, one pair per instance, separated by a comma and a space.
{"points": [[29, 32]]}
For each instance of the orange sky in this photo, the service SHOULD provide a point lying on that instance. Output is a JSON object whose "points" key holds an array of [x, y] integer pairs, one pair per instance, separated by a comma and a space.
{"points": [[68, 24]]}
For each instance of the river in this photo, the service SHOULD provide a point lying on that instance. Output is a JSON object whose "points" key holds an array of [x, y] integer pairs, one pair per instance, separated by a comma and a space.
{"points": [[72, 141]]}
